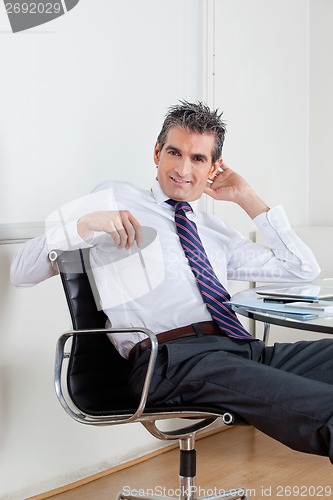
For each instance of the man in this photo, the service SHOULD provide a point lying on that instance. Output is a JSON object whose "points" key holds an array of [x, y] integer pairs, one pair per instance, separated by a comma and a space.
{"points": [[284, 390]]}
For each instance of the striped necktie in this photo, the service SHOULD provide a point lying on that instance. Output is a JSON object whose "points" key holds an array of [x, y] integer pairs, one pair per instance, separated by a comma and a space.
{"points": [[213, 292]]}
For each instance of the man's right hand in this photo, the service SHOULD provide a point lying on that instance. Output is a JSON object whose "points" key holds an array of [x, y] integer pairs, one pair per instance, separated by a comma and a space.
{"points": [[120, 224]]}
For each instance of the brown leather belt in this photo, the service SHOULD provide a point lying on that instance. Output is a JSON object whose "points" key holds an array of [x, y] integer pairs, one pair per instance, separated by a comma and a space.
{"points": [[197, 329]]}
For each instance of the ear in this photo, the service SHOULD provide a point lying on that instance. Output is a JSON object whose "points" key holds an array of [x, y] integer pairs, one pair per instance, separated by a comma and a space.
{"points": [[157, 152], [215, 168]]}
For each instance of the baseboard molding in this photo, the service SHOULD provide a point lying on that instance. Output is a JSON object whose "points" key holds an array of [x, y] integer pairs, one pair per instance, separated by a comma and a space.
{"points": [[122, 466]]}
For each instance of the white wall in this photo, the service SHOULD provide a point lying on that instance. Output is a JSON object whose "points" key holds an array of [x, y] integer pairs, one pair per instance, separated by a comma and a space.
{"points": [[259, 78], [269, 67], [81, 99], [321, 112]]}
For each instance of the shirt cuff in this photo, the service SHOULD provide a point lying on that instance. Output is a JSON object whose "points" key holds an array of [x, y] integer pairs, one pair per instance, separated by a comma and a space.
{"points": [[272, 222], [65, 237]]}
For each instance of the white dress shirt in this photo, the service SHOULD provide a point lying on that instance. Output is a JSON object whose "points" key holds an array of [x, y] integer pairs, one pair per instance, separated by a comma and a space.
{"points": [[153, 286]]}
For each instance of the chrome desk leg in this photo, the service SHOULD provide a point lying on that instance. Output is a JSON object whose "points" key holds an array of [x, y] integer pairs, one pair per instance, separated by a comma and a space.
{"points": [[267, 328]]}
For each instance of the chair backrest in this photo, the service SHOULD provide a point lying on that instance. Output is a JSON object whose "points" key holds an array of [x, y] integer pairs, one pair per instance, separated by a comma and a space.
{"points": [[73, 267], [97, 376]]}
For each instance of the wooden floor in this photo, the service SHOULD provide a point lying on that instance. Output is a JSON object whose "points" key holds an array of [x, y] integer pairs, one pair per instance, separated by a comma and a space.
{"points": [[238, 457]]}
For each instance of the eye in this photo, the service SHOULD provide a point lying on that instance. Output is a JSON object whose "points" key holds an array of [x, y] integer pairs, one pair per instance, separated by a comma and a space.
{"points": [[199, 159], [174, 153]]}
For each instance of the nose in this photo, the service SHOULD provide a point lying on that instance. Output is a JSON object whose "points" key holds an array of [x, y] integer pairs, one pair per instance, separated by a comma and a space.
{"points": [[184, 167]]}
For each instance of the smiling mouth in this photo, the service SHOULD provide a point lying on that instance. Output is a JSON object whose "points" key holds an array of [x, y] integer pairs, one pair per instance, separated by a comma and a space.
{"points": [[179, 181]]}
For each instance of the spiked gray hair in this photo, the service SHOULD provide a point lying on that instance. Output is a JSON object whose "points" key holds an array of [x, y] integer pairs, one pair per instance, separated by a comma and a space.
{"points": [[195, 117]]}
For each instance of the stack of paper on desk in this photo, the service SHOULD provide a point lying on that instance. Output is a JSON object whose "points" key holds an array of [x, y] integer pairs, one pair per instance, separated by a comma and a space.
{"points": [[300, 310], [317, 306], [301, 301]]}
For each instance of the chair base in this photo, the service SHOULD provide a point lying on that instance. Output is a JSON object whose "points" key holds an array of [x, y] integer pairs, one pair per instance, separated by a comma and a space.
{"points": [[236, 494]]}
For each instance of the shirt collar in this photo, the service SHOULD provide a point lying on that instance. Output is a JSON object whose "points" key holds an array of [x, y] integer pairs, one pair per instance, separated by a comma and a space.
{"points": [[160, 197]]}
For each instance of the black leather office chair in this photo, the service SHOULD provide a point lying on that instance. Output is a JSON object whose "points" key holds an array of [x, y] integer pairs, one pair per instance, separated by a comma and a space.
{"points": [[91, 378]]}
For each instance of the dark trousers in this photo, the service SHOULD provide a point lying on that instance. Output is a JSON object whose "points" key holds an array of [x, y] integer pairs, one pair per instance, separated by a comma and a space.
{"points": [[285, 390]]}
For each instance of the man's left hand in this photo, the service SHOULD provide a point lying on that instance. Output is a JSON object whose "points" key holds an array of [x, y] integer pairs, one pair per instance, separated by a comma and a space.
{"points": [[230, 186]]}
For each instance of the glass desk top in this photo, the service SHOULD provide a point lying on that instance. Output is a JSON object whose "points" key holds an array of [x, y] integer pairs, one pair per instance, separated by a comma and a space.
{"points": [[250, 304]]}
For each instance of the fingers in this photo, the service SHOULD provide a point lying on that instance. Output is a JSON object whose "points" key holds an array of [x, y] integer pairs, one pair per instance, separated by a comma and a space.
{"points": [[126, 230], [224, 184], [218, 181], [121, 225]]}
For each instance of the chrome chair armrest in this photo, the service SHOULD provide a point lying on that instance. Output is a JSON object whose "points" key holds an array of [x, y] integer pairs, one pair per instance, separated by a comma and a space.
{"points": [[78, 414]]}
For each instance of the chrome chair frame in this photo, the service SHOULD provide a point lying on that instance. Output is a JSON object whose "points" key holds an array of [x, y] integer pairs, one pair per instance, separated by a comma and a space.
{"points": [[147, 416]]}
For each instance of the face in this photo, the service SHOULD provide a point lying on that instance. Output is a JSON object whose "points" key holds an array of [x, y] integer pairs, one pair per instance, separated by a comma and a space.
{"points": [[185, 164]]}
